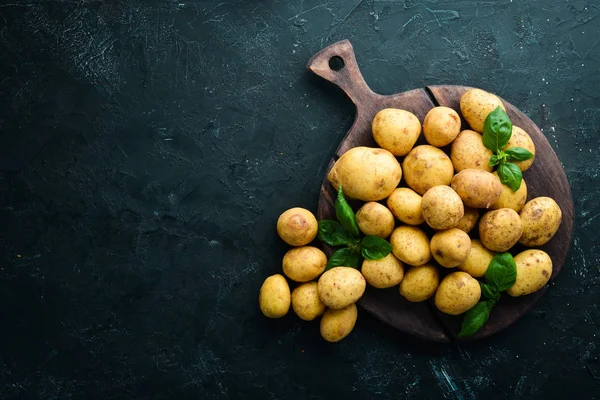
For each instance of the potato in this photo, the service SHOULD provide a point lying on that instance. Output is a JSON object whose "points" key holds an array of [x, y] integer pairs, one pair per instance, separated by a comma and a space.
{"points": [[476, 188], [499, 230], [297, 226], [541, 219], [478, 260], [520, 138], [405, 204], [375, 219], [340, 287], [468, 152], [337, 324], [534, 269], [306, 302], [383, 273], [411, 245], [475, 105], [450, 247], [510, 199], [441, 126], [458, 292], [425, 167], [396, 130], [366, 174], [442, 207], [274, 296], [420, 283], [303, 264], [469, 220]]}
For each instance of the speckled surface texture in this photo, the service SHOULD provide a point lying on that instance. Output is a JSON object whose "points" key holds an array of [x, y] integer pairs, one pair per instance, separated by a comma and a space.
{"points": [[147, 148]]}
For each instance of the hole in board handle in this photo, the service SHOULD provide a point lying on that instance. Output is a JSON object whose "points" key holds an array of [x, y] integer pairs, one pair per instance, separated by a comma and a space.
{"points": [[336, 63]]}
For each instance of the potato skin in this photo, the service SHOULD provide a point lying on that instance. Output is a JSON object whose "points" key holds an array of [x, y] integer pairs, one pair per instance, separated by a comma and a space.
{"points": [[420, 283], [478, 260], [469, 220], [499, 230], [405, 204], [366, 174], [534, 269], [476, 188], [337, 324], [458, 292], [274, 297], [450, 247], [509, 199], [442, 207], [297, 226], [340, 287], [396, 130], [426, 166], [468, 152], [541, 219], [410, 245], [375, 219], [441, 126], [475, 105], [306, 302], [383, 273], [520, 138], [303, 264]]}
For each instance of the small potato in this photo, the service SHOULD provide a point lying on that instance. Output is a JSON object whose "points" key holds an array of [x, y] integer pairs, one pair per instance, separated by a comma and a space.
{"points": [[337, 324], [478, 260], [306, 302], [425, 167], [499, 230], [534, 269], [375, 219], [303, 264], [396, 130], [340, 287], [383, 273], [458, 293], [442, 207], [475, 105], [468, 152], [405, 204], [411, 245], [541, 219], [297, 226], [450, 247], [274, 297], [476, 188], [520, 138], [469, 220], [510, 199], [441, 126], [420, 283], [366, 173]]}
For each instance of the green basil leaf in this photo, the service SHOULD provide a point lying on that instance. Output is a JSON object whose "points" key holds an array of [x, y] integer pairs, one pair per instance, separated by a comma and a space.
{"points": [[333, 233], [475, 318], [374, 248], [518, 154], [497, 130], [345, 215], [488, 292], [510, 174], [344, 258], [502, 272], [494, 160]]}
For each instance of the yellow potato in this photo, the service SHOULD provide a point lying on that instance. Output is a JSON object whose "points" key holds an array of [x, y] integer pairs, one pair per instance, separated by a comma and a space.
{"points": [[405, 204], [469, 220], [534, 269], [274, 297], [420, 283], [441, 126], [396, 130], [297, 226], [475, 105], [411, 245], [442, 207], [458, 293], [306, 302], [383, 273], [450, 247], [468, 152], [520, 138], [499, 230], [478, 260], [337, 324], [510, 199], [366, 173], [303, 264], [476, 188], [541, 219], [340, 287], [425, 167], [375, 219]]}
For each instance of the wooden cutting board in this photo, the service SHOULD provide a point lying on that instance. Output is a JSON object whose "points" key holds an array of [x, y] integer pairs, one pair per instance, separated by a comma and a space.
{"points": [[337, 64]]}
